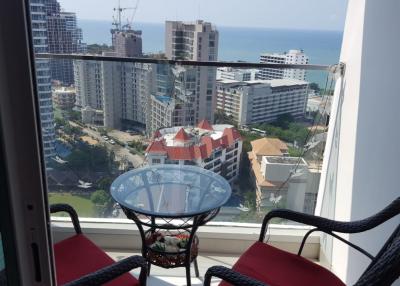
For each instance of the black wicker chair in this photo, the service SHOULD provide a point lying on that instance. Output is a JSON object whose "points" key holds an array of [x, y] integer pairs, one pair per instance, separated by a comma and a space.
{"points": [[383, 270], [80, 262]]}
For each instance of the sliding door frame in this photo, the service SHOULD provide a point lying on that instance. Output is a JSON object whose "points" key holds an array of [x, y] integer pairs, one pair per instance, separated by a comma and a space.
{"points": [[25, 220]]}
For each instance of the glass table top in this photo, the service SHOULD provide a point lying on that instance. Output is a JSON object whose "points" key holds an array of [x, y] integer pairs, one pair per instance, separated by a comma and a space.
{"points": [[171, 190]]}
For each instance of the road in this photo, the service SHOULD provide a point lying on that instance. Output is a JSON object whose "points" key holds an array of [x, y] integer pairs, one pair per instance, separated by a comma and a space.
{"points": [[121, 153]]}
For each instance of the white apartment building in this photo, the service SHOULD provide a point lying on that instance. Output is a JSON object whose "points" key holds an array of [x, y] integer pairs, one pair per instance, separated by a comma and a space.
{"points": [[280, 180], [193, 88], [89, 90], [197, 41], [213, 147], [87, 77], [237, 74], [119, 90], [261, 100], [290, 57], [126, 89]]}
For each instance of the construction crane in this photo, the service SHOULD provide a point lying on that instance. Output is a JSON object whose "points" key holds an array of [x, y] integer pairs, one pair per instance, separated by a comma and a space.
{"points": [[117, 19]]}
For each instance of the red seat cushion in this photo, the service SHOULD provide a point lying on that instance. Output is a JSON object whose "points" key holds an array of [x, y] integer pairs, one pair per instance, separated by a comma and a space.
{"points": [[277, 267], [77, 256]]}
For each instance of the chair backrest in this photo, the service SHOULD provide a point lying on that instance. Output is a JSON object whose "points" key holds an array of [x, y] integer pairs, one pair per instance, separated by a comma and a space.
{"points": [[385, 267]]}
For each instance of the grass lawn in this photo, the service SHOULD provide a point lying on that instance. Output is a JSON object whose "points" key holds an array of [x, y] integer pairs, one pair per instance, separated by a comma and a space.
{"points": [[82, 205]]}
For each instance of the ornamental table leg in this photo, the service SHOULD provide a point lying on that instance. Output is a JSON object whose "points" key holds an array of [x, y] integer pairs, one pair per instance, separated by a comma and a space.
{"points": [[148, 268], [188, 278], [196, 268]]}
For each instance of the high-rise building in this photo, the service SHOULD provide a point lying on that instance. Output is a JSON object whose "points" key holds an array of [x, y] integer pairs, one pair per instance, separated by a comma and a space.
{"points": [[115, 94], [127, 43], [39, 37], [261, 100], [126, 89], [63, 37], [290, 57], [88, 84], [193, 94]]}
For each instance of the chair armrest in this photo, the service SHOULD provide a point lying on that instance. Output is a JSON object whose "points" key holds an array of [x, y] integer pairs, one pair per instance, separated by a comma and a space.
{"points": [[328, 225], [72, 213], [113, 271], [230, 276]]}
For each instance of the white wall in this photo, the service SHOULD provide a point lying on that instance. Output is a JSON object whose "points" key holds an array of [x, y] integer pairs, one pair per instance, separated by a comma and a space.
{"points": [[369, 153]]}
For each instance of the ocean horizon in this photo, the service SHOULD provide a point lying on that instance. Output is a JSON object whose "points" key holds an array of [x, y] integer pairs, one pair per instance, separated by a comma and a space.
{"points": [[238, 43]]}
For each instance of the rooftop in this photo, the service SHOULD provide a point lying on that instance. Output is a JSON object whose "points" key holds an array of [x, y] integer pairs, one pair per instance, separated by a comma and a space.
{"points": [[268, 147], [261, 181], [285, 160], [188, 143]]}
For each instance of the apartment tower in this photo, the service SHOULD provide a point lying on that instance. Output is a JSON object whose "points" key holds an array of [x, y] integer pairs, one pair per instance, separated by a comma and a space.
{"points": [[290, 57], [115, 94], [43, 81], [193, 96]]}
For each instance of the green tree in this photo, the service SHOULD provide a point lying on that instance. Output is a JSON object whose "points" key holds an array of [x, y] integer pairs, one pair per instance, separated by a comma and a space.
{"points": [[283, 120], [103, 202], [105, 183], [314, 86], [100, 198], [102, 131], [74, 115], [93, 158], [60, 121], [220, 117]]}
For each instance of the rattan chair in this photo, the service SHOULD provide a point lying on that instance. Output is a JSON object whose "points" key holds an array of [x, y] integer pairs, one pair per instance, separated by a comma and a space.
{"points": [[263, 264], [80, 262]]}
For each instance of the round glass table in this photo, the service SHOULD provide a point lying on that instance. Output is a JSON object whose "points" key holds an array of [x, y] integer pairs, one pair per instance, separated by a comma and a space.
{"points": [[168, 203]]}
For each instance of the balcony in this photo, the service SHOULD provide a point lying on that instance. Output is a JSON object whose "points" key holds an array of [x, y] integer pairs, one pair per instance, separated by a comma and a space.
{"points": [[348, 167], [221, 244]]}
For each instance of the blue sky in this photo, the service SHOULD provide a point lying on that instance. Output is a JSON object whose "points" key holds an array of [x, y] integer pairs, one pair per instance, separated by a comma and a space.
{"points": [[288, 14]]}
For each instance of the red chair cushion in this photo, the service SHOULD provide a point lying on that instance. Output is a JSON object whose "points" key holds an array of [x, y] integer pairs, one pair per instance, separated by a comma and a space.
{"points": [[277, 267], [77, 256]]}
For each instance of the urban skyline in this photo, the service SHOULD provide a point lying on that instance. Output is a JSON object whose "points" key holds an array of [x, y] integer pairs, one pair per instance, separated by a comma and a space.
{"points": [[152, 99]]}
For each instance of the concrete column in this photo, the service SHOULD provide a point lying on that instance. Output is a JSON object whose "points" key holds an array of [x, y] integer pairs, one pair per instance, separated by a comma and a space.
{"points": [[368, 136]]}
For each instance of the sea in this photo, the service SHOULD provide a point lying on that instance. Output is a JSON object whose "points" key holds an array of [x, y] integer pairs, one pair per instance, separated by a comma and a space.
{"points": [[239, 43]]}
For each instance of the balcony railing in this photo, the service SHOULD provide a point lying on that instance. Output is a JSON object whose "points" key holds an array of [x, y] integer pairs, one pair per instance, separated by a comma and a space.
{"points": [[90, 155]]}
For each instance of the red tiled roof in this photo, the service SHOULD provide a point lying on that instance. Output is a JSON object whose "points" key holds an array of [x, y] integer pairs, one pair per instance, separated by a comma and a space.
{"points": [[232, 134], [201, 151], [156, 147], [224, 140], [157, 134], [204, 124], [180, 153], [182, 135], [210, 143]]}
